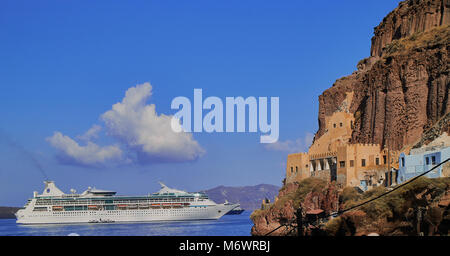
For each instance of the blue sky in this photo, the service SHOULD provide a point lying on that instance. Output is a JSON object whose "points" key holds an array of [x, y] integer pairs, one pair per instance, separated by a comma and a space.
{"points": [[65, 63]]}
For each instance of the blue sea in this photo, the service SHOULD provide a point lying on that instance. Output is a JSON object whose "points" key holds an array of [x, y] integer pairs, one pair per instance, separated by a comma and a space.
{"points": [[228, 225]]}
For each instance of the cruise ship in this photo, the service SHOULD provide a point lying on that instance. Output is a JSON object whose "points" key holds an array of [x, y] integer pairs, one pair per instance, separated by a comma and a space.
{"points": [[101, 206]]}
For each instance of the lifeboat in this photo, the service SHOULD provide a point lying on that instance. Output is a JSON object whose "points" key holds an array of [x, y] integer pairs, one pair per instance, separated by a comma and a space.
{"points": [[132, 206], [93, 207], [57, 208], [166, 205], [122, 206], [143, 206]]}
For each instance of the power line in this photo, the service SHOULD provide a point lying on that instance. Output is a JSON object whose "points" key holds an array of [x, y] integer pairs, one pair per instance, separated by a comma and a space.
{"points": [[390, 191], [368, 201]]}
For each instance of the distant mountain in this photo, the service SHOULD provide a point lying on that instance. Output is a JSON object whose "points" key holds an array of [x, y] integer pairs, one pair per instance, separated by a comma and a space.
{"points": [[250, 197], [8, 212]]}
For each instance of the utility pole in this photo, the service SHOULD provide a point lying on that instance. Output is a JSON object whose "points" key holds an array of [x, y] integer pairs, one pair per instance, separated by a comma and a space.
{"points": [[299, 221], [419, 220], [389, 176]]}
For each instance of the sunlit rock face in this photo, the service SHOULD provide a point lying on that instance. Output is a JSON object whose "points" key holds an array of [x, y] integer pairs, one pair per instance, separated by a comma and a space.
{"points": [[402, 89]]}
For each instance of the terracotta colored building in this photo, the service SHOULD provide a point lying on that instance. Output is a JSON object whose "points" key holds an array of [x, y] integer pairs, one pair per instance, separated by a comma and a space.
{"points": [[333, 158]]}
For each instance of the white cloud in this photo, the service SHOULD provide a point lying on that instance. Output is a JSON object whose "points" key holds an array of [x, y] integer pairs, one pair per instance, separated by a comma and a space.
{"points": [[146, 136], [92, 133], [70, 152], [146, 133], [292, 146]]}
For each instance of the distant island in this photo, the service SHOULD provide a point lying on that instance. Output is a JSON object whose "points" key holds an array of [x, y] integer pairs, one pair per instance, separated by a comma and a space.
{"points": [[8, 212], [250, 197]]}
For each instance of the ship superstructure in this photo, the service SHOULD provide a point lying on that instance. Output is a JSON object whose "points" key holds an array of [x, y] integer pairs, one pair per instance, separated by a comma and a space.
{"points": [[53, 206]]}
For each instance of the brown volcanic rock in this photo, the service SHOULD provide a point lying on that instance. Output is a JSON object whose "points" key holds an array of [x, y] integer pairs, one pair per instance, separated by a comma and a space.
{"points": [[400, 97], [282, 212], [327, 200], [408, 18], [400, 94], [321, 196], [404, 89]]}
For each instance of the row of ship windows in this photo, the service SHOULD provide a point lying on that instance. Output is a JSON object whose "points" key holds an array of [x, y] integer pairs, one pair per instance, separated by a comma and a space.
{"points": [[123, 213], [58, 202], [44, 209]]}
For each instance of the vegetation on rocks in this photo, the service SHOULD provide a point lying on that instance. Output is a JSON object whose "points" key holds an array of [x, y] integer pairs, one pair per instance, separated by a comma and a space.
{"points": [[396, 213], [439, 36], [414, 208]]}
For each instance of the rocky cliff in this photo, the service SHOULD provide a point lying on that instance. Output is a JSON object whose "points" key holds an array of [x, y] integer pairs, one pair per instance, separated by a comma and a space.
{"points": [[408, 18], [422, 207], [310, 194], [402, 89], [399, 99]]}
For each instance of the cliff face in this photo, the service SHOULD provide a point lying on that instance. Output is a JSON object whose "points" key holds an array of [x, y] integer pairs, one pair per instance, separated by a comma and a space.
{"points": [[400, 99], [394, 215], [408, 18], [422, 207], [310, 194], [403, 88]]}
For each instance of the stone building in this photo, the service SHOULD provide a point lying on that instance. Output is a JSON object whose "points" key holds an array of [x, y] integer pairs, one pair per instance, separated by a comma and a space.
{"points": [[332, 157]]}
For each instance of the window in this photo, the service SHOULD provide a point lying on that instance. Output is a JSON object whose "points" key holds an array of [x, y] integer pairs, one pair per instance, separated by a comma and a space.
{"points": [[342, 164], [352, 163], [334, 125], [427, 160], [403, 162], [433, 159], [384, 160], [292, 169], [340, 124], [296, 169], [363, 162], [377, 161]]}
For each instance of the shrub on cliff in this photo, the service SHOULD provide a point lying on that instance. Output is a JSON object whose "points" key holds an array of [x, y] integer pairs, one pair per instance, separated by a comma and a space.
{"points": [[397, 207], [350, 194], [307, 186], [433, 37], [293, 195]]}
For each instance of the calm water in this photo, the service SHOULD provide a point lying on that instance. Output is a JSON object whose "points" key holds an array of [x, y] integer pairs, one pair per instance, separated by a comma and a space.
{"points": [[228, 225]]}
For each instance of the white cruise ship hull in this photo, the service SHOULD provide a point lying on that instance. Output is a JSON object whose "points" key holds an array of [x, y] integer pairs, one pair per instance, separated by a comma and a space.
{"points": [[212, 212], [102, 206]]}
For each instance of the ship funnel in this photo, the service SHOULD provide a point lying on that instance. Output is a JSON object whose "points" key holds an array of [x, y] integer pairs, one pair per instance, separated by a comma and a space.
{"points": [[51, 189]]}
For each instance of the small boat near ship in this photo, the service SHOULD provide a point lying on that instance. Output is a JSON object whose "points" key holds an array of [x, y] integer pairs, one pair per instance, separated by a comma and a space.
{"points": [[236, 211]]}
